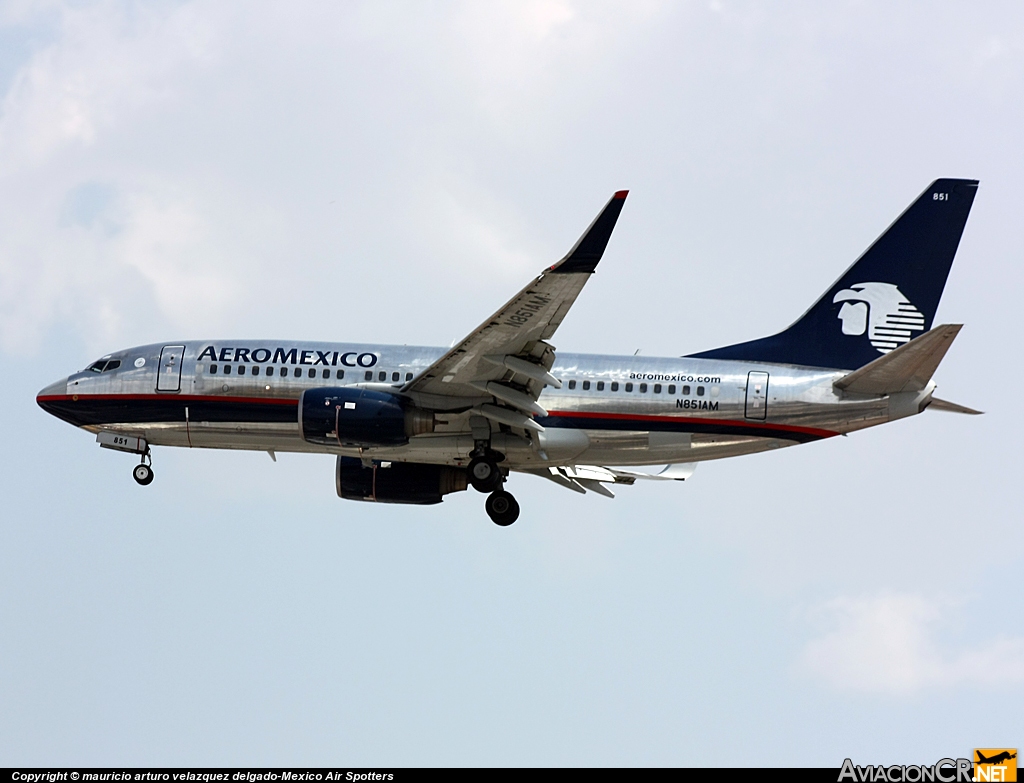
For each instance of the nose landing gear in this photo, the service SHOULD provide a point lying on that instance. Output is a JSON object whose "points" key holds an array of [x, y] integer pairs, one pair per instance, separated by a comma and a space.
{"points": [[143, 472]]}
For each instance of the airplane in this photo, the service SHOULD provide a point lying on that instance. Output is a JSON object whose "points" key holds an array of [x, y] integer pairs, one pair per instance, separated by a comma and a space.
{"points": [[413, 424], [996, 759]]}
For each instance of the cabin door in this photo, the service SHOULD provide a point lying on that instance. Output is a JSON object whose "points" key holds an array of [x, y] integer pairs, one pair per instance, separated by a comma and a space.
{"points": [[757, 395], [168, 376]]}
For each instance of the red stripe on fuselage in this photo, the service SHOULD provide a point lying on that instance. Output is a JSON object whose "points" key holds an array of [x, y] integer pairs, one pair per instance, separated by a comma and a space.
{"points": [[637, 417], [169, 396]]}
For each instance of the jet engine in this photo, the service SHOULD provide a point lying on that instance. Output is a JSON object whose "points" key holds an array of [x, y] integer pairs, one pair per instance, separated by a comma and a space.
{"points": [[397, 482], [359, 417]]}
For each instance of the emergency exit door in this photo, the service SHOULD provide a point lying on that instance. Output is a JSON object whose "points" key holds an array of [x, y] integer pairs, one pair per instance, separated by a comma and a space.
{"points": [[757, 395], [168, 376]]}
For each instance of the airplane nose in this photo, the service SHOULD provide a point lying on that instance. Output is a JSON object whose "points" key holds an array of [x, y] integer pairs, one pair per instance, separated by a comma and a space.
{"points": [[55, 391]]}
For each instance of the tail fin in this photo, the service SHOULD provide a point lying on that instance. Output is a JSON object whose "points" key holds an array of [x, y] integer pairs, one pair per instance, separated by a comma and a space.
{"points": [[885, 299]]}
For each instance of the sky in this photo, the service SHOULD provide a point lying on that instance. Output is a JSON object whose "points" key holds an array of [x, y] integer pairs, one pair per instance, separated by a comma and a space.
{"points": [[393, 172]]}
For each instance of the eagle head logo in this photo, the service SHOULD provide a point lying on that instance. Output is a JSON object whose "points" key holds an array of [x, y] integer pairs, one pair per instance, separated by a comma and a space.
{"points": [[881, 310]]}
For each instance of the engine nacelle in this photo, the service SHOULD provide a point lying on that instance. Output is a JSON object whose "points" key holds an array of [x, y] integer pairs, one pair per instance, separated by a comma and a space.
{"points": [[359, 417], [397, 482]]}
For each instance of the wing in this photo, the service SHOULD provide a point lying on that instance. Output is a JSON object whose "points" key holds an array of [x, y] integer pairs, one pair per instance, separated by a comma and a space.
{"points": [[506, 360]]}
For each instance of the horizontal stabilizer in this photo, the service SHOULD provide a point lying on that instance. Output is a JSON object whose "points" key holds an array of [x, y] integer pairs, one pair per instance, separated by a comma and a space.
{"points": [[905, 369], [951, 407]]}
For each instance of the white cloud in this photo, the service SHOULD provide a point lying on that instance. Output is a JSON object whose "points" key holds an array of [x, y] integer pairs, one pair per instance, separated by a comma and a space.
{"points": [[891, 643], [106, 66], [67, 124], [220, 138]]}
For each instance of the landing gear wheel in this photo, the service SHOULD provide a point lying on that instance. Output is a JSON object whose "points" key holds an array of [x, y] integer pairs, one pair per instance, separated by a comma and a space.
{"points": [[143, 474], [484, 475], [502, 508]]}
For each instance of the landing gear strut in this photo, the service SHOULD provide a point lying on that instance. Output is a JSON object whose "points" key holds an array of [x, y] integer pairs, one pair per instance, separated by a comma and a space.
{"points": [[143, 473], [487, 477], [502, 508]]}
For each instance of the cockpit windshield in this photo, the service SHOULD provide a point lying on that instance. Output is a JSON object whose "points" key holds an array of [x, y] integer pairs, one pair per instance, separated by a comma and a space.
{"points": [[104, 365]]}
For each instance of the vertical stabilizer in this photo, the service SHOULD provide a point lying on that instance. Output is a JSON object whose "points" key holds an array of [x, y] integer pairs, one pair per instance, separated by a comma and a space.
{"points": [[887, 298]]}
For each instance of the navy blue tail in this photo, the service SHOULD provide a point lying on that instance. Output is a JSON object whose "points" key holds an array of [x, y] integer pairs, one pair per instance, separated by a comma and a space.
{"points": [[888, 297]]}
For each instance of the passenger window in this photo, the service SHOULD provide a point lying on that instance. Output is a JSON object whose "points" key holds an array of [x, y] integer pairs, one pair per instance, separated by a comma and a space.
{"points": [[241, 369], [311, 373], [686, 390], [672, 389], [657, 388], [213, 369], [297, 372], [112, 365], [408, 376], [227, 369], [341, 374], [629, 387], [572, 384], [382, 376], [600, 385], [395, 376], [615, 385], [270, 371], [369, 375], [327, 373], [700, 391], [586, 385], [256, 369], [643, 388]]}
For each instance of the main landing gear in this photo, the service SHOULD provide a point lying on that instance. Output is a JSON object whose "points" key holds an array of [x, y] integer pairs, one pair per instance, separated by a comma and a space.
{"points": [[143, 472], [502, 508], [484, 474], [486, 477]]}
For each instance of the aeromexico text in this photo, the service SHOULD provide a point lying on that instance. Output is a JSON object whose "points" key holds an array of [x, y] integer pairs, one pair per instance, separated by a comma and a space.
{"points": [[289, 356]]}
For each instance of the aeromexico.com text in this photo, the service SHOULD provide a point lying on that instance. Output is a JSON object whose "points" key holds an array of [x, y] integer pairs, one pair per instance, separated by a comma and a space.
{"points": [[650, 376]]}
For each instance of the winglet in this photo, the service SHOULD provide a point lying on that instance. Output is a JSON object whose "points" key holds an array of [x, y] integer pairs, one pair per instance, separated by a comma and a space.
{"points": [[587, 252]]}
